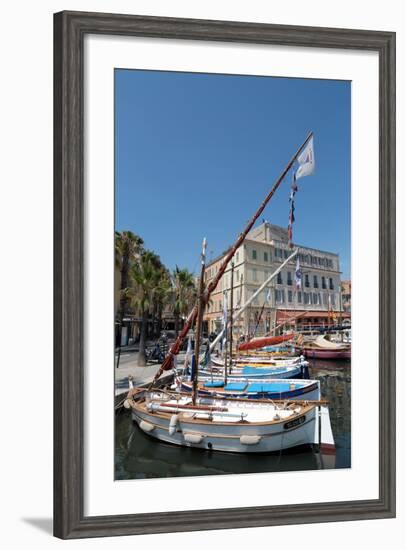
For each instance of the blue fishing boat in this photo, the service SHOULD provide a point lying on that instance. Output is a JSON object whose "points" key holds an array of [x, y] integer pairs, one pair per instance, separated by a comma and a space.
{"points": [[298, 370], [289, 389]]}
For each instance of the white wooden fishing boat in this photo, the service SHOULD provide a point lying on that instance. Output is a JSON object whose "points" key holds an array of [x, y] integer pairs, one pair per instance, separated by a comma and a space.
{"points": [[231, 425]]}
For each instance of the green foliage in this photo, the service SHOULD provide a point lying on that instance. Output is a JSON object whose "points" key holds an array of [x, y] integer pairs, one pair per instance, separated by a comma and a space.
{"points": [[146, 285]]}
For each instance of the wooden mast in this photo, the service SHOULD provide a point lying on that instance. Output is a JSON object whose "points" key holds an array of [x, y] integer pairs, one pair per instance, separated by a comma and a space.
{"points": [[200, 310], [174, 350], [231, 315], [225, 341]]}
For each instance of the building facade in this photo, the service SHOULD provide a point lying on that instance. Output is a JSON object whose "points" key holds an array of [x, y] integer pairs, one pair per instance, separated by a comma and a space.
{"points": [[280, 304]]}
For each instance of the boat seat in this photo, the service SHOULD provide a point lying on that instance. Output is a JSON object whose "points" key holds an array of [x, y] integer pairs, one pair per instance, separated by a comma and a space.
{"points": [[236, 386], [213, 384], [271, 388]]}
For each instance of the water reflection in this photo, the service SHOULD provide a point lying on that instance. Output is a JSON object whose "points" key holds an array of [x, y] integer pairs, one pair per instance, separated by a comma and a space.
{"points": [[138, 456]]}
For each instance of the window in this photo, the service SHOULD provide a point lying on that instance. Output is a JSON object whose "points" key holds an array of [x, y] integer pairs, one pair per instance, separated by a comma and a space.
{"points": [[254, 254], [290, 296], [325, 299], [289, 282], [299, 297], [323, 283], [265, 256], [315, 299], [315, 282], [237, 257], [307, 298], [279, 296], [333, 300], [285, 253], [254, 275], [307, 283], [279, 279], [331, 285]]}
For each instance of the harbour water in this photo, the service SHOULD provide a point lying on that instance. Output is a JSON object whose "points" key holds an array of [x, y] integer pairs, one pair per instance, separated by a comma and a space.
{"points": [[137, 456]]}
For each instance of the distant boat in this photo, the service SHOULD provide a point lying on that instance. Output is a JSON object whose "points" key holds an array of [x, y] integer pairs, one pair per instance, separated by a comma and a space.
{"points": [[321, 348], [314, 353]]}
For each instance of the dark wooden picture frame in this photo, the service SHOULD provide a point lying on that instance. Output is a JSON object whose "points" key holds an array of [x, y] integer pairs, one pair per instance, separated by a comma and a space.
{"points": [[69, 31]]}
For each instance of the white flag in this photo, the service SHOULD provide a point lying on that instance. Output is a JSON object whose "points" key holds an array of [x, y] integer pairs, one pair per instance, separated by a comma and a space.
{"points": [[298, 275], [189, 350], [306, 161], [268, 296]]}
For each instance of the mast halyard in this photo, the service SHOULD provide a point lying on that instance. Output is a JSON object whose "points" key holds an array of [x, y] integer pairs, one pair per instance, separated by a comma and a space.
{"points": [[199, 319]]}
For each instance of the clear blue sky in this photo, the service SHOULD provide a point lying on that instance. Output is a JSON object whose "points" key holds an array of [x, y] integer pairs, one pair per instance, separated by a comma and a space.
{"points": [[197, 153]]}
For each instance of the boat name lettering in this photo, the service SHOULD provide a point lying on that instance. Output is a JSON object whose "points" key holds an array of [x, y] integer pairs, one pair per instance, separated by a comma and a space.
{"points": [[294, 423]]}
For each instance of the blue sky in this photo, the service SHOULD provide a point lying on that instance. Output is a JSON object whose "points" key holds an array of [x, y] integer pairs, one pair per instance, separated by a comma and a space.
{"points": [[197, 153]]}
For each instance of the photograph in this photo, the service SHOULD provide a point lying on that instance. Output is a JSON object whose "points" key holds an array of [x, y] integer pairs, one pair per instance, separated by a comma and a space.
{"points": [[232, 274]]}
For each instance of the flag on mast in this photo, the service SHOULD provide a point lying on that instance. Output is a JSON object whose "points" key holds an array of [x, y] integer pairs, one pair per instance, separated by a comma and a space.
{"points": [[306, 161], [306, 168], [268, 296], [298, 275]]}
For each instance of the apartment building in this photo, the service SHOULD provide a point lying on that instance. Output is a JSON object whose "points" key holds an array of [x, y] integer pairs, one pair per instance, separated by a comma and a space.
{"points": [[317, 302]]}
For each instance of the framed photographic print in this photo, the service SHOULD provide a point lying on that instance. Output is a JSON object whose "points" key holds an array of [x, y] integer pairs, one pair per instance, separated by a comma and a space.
{"points": [[224, 274]]}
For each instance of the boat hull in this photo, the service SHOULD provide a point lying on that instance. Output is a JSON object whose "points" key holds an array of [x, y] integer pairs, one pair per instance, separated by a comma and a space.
{"points": [[231, 438], [296, 371], [312, 353], [259, 361]]}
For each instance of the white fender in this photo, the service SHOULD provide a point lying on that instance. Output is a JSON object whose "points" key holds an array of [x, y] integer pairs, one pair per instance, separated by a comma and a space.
{"points": [[146, 426], [250, 439], [172, 424], [193, 438]]}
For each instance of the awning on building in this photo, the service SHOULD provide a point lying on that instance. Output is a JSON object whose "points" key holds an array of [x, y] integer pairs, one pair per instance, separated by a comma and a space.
{"points": [[296, 315]]}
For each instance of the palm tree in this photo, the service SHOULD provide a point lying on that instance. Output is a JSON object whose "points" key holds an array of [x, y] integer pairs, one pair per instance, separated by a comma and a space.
{"points": [[128, 247], [146, 277], [185, 293], [162, 296]]}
